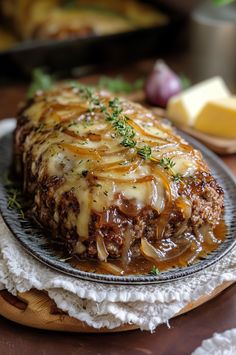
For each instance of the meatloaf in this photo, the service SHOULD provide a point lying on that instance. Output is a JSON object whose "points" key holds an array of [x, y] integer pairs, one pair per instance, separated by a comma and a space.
{"points": [[110, 180]]}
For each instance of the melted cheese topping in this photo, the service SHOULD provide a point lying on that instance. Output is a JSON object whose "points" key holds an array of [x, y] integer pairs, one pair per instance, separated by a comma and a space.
{"points": [[70, 140]]}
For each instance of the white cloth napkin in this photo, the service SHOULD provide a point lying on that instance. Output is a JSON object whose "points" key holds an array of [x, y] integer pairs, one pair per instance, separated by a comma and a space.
{"points": [[101, 305], [220, 344]]}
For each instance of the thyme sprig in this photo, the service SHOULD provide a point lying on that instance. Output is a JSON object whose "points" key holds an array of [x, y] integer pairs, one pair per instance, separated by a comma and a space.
{"points": [[167, 163], [145, 152], [13, 196], [14, 203], [120, 123], [114, 114], [177, 178], [154, 271]]}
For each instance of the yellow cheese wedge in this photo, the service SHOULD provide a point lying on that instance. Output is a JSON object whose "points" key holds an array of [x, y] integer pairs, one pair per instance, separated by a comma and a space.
{"points": [[184, 107], [218, 117]]}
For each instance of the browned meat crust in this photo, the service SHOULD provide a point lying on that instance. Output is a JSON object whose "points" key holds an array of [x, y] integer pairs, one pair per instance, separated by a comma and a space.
{"points": [[200, 189]]}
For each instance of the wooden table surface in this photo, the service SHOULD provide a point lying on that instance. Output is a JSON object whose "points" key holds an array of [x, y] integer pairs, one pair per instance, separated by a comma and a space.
{"points": [[185, 333]]}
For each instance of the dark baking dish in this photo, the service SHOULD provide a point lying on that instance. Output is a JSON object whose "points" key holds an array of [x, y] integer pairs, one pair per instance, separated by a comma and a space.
{"points": [[110, 49]]}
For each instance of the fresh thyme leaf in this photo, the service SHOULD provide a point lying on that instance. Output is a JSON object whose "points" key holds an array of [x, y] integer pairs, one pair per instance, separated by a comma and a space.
{"points": [[167, 163], [118, 84], [129, 143], [94, 103], [113, 113], [177, 177], [86, 91], [13, 201], [154, 271], [40, 81], [115, 103], [120, 123], [120, 126], [145, 152]]}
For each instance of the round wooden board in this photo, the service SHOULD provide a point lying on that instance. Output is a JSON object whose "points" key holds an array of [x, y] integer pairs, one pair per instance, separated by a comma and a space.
{"points": [[35, 309]]}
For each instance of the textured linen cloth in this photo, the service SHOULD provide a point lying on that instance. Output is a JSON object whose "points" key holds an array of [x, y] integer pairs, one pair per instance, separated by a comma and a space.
{"points": [[101, 305], [220, 344]]}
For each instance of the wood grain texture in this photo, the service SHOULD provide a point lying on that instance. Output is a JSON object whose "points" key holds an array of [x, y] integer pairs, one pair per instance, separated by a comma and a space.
{"points": [[35, 309]]}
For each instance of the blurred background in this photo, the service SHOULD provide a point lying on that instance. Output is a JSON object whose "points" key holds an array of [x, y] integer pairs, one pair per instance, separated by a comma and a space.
{"points": [[61, 35]]}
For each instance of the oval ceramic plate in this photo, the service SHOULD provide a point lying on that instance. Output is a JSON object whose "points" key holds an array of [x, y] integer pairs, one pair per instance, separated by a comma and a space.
{"points": [[35, 243]]}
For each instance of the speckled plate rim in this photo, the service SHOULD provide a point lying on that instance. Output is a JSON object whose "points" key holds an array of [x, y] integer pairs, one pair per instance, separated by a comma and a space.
{"points": [[35, 243]]}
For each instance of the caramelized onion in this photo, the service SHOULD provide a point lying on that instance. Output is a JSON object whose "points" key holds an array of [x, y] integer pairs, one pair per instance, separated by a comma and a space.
{"points": [[94, 137], [73, 134], [150, 252], [208, 235], [91, 136], [185, 206], [69, 106], [53, 116], [170, 133], [182, 229], [196, 248], [140, 130], [157, 197], [80, 151], [115, 152], [129, 167], [125, 256], [128, 181], [157, 255], [168, 201], [111, 268], [101, 248], [130, 207], [109, 166], [118, 166], [158, 171]]}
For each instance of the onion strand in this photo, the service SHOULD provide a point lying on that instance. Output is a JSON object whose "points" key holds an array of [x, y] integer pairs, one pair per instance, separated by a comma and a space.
{"points": [[101, 248]]}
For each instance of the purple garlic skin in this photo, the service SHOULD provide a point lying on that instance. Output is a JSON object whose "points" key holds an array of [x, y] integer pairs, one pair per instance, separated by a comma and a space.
{"points": [[161, 85]]}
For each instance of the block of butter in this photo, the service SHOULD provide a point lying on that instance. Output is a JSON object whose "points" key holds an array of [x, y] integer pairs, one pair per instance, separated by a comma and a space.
{"points": [[184, 107], [218, 117]]}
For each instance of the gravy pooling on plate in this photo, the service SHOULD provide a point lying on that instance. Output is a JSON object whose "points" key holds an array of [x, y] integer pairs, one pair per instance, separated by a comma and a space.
{"points": [[113, 183]]}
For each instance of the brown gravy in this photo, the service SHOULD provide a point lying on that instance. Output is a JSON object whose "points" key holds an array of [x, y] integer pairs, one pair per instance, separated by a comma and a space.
{"points": [[142, 266]]}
